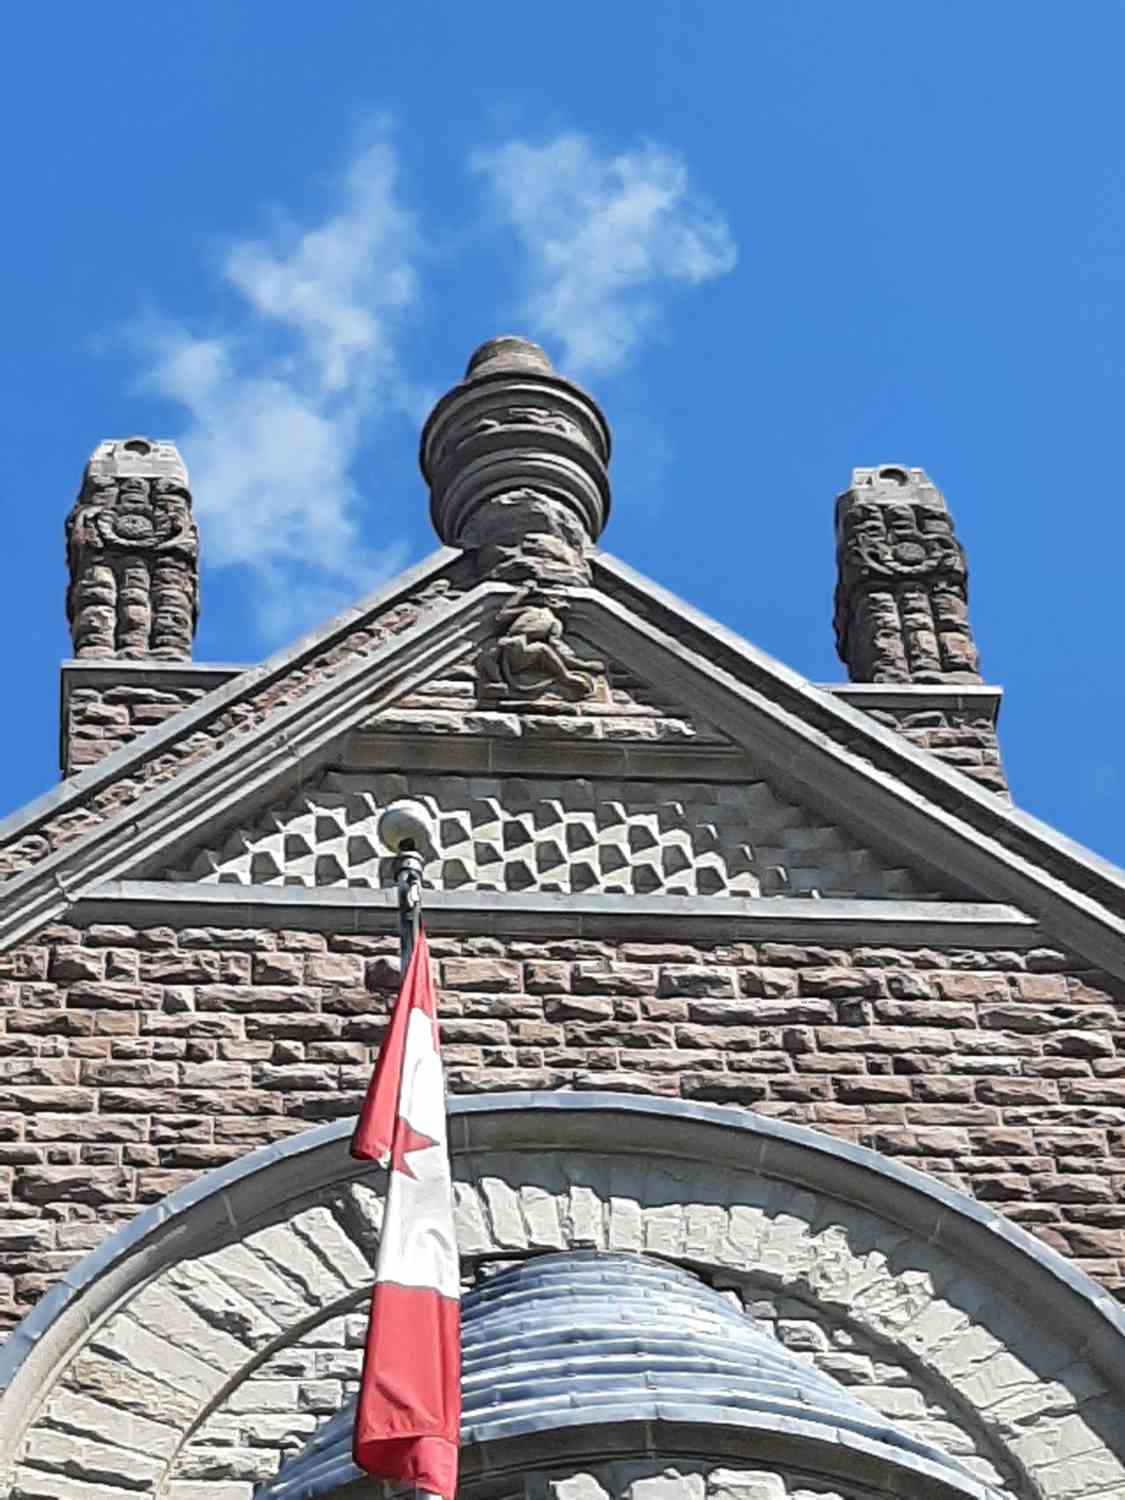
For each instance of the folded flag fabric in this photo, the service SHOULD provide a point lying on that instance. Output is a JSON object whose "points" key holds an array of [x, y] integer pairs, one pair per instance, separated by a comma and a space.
{"points": [[408, 1416]]}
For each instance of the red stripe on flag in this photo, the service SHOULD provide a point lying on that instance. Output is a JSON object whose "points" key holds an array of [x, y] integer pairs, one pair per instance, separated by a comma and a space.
{"points": [[375, 1128], [408, 1417]]}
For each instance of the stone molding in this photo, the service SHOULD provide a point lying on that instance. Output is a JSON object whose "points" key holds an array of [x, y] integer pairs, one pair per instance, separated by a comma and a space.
{"points": [[245, 683], [543, 754], [106, 704], [983, 699], [271, 756], [508, 914], [200, 1289], [837, 754]]}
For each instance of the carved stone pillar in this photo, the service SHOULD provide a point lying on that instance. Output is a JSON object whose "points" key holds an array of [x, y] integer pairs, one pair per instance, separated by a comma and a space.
{"points": [[515, 457], [902, 591], [133, 552]]}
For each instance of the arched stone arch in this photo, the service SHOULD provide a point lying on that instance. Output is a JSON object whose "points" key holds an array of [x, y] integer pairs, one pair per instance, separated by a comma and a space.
{"points": [[109, 1385]]}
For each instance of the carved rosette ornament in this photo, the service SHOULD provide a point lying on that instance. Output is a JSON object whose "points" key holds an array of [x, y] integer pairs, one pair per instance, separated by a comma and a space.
{"points": [[902, 590], [133, 553], [516, 459]]}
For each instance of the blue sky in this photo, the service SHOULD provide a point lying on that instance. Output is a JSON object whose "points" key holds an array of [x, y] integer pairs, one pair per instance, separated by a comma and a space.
{"points": [[776, 239]]}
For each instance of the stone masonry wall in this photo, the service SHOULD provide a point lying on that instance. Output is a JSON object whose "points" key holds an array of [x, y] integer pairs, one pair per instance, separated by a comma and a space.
{"points": [[961, 738], [101, 719], [130, 1061]]}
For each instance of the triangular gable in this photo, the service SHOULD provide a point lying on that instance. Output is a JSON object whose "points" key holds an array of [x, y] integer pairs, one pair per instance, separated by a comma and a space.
{"points": [[815, 750]]}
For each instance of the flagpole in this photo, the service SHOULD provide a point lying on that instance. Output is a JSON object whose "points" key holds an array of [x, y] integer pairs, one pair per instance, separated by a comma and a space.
{"points": [[406, 829], [408, 879], [403, 1112]]}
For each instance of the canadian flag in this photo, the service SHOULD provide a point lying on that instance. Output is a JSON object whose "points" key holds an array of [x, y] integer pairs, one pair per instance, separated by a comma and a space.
{"points": [[408, 1417]]}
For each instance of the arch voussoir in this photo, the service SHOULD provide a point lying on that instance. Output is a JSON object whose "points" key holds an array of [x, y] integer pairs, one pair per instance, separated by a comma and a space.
{"points": [[196, 1335]]}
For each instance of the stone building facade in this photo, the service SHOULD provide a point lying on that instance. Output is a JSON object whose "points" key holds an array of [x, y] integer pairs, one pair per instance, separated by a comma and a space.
{"points": [[766, 1017]]}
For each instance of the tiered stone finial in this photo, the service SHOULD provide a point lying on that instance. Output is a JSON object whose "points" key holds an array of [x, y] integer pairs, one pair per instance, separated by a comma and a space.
{"points": [[516, 457], [133, 552], [902, 591]]}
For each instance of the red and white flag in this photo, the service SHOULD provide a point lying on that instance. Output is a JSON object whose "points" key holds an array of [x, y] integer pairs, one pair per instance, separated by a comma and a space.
{"points": [[408, 1417]]}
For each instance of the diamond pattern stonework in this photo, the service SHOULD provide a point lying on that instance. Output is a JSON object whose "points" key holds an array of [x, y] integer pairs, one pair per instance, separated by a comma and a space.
{"points": [[512, 833]]}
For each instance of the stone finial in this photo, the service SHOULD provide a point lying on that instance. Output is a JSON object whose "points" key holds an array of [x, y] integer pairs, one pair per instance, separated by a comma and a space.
{"points": [[133, 552], [516, 458], [902, 589]]}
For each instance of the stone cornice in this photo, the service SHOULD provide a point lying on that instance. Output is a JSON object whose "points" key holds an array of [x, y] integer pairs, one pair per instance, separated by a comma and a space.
{"points": [[982, 699], [902, 797], [77, 789], [507, 914]]}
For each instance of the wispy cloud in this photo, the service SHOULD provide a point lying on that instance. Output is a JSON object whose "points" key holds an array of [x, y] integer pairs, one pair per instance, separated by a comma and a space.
{"points": [[604, 236], [279, 399], [276, 410]]}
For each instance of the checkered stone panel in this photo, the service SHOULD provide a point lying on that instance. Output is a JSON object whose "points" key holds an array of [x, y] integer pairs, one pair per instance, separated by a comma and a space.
{"points": [[512, 833]]}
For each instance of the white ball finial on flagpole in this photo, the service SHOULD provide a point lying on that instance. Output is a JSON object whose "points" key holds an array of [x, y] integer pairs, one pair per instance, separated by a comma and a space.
{"points": [[404, 825], [406, 829]]}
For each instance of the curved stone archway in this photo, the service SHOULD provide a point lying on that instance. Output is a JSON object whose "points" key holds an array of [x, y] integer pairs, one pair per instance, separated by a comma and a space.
{"points": [[118, 1384]]}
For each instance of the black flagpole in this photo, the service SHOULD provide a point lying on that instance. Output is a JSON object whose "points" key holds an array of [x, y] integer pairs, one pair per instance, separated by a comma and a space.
{"points": [[408, 878]]}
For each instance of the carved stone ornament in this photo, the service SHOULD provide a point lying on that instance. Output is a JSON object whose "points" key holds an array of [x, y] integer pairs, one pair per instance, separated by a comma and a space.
{"points": [[133, 553], [530, 659], [884, 542], [516, 459], [902, 586]]}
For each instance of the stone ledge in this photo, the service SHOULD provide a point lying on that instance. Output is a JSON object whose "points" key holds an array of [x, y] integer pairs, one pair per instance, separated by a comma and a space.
{"points": [[916, 697], [148, 903], [102, 675], [523, 755]]}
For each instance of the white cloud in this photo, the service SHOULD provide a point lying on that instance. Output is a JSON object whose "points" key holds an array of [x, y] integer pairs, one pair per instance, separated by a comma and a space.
{"points": [[604, 236], [276, 411], [310, 365]]}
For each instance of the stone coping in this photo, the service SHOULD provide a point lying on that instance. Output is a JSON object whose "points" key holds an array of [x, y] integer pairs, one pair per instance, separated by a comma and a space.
{"points": [[916, 697], [247, 680]]}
